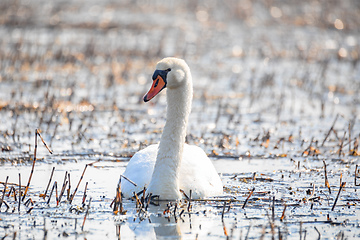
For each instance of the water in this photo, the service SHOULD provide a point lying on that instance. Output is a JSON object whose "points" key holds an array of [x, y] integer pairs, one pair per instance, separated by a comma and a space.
{"points": [[270, 80]]}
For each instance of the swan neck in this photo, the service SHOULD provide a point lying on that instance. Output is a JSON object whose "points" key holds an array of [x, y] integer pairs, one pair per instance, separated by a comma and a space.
{"points": [[172, 142], [178, 110]]}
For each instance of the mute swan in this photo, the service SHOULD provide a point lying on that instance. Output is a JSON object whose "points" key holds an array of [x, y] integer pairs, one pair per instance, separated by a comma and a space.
{"points": [[172, 165]]}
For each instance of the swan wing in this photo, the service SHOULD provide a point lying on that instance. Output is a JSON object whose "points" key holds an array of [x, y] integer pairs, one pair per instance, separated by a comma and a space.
{"points": [[198, 174], [139, 170]]}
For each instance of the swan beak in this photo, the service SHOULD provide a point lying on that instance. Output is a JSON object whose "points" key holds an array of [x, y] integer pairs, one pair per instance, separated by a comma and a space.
{"points": [[159, 83]]}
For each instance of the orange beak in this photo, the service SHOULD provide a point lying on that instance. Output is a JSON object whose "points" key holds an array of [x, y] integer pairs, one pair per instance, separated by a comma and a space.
{"points": [[158, 85]]}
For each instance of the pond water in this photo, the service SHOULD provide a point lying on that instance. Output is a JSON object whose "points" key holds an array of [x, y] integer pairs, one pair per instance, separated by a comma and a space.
{"points": [[276, 99]]}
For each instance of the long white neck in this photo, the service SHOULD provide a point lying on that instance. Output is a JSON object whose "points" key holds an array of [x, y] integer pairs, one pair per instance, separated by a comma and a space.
{"points": [[165, 178]]}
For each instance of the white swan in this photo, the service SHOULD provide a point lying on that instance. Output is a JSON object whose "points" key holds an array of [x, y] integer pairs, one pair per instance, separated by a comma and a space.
{"points": [[172, 165]]}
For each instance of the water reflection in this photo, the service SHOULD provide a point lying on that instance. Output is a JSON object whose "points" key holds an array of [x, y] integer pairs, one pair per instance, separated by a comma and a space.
{"points": [[154, 224], [203, 220], [166, 227]]}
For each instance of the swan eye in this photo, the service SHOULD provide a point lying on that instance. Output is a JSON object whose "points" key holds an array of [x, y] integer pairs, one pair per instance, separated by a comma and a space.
{"points": [[168, 70]]}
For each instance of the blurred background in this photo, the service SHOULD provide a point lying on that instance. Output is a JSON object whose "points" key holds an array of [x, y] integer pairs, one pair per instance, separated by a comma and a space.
{"points": [[78, 69], [276, 98]]}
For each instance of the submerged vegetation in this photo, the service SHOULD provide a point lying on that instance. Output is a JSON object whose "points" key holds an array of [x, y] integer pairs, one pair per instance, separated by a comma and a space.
{"points": [[276, 107]]}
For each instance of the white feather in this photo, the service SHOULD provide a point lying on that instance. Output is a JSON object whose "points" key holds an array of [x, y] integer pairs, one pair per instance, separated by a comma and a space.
{"points": [[172, 165]]}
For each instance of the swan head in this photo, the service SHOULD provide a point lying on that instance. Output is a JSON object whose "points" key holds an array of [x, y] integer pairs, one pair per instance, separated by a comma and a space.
{"points": [[170, 73]]}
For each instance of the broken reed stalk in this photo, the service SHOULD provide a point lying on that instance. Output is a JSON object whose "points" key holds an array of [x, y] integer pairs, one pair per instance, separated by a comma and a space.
{"points": [[337, 197], [225, 230], [6, 205], [356, 145], [92, 163], [350, 141], [356, 171], [84, 196], [52, 189], [118, 228], [118, 199], [87, 213], [148, 203], [230, 201], [349, 138], [247, 199], [279, 233], [307, 150], [12, 189], [28, 202], [138, 202], [273, 209], [7, 178], [318, 232], [33, 165], [63, 187], [342, 144], [29, 210], [340, 179], [112, 202], [332, 127], [82, 176], [186, 196], [182, 211], [19, 192], [62, 191], [56, 195], [247, 233], [47, 187], [175, 208], [272, 225], [174, 212], [223, 211], [283, 213], [51, 152], [69, 189], [143, 196], [326, 178], [122, 176], [189, 205], [55, 129]]}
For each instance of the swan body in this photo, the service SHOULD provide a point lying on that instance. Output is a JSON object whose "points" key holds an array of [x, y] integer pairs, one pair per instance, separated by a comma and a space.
{"points": [[171, 165]]}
